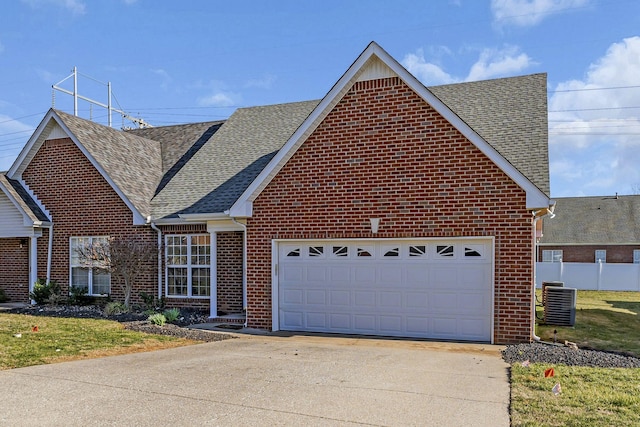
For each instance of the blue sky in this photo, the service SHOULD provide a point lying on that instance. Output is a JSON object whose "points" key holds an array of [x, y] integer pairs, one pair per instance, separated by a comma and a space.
{"points": [[175, 62]]}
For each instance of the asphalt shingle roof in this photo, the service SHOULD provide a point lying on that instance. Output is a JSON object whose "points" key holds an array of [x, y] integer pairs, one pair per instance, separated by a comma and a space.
{"points": [[213, 179], [594, 220], [23, 198], [132, 162]]}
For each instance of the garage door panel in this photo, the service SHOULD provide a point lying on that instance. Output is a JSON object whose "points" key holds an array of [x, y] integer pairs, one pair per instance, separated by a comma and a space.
{"points": [[389, 274], [315, 321], [365, 299], [364, 275], [365, 323], [339, 298], [417, 274], [423, 288], [340, 321], [417, 325], [390, 325], [418, 300], [339, 273], [293, 272], [316, 273], [293, 319], [445, 327], [472, 328], [390, 300], [316, 297]]}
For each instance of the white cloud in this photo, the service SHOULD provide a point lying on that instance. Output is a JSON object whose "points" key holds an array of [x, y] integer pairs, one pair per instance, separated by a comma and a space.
{"points": [[590, 121], [498, 63], [428, 73], [527, 13], [217, 94], [264, 82], [76, 7], [164, 76], [491, 63]]}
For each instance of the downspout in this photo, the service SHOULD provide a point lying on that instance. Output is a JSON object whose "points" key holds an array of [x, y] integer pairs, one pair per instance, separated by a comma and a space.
{"points": [[154, 227], [537, 216], [49, 253], [244, 268]]}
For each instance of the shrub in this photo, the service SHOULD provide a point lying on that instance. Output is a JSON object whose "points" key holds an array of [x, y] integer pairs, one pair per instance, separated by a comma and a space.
{"points": [[148, 301], [44, 292], [3, 296], [78, 295], [171, 314], [114, 308], [157, 319]]}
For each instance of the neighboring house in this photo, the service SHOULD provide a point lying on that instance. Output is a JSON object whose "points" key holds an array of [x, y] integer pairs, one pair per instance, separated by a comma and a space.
{"points": [[592, 229], [592, 243], [386, 208]]}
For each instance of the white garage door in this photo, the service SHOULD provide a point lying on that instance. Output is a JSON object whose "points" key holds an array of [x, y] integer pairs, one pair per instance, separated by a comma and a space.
{"points": [[438, 289]]}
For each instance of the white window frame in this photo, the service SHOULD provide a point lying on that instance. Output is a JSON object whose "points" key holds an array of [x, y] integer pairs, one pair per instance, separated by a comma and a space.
{"points": [[636, 256], [92, 269], [189, 265], [552, 255], [601, 256]]}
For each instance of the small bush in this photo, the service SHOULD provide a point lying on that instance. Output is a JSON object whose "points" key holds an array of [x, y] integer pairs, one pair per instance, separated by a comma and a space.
{"points": [[3, 296], [114, 308], [157, 319], [148, 301], [78, 295], [171, 314], [44, 292]]}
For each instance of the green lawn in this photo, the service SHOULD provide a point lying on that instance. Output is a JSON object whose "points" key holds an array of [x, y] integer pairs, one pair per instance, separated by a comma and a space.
{"points": [[589, 396], [62, 339], [604, 321]]}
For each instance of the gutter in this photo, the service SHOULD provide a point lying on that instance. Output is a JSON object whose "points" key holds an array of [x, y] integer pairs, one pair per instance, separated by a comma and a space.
{"points": [[537, 216]]}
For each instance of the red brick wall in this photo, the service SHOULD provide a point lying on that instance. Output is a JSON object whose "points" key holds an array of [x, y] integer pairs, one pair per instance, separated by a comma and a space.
{"points": [[587, 253], [230, 272], [81, 203], [14, 274], [384, 153]]}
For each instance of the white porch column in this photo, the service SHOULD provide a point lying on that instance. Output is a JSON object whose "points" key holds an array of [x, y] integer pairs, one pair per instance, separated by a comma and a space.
{"points": [[213, 311], [33, 261]]}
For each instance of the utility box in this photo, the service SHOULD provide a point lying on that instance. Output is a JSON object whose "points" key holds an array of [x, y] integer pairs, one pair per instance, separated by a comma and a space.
{"points": [[544, 290], [560, 306]]}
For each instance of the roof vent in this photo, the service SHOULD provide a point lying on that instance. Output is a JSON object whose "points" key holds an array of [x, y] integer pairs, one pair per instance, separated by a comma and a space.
{"points": [[560, 306]]}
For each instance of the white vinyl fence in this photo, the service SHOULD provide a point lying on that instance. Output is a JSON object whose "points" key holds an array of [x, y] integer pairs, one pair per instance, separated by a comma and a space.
{"points": [[590, 276]]}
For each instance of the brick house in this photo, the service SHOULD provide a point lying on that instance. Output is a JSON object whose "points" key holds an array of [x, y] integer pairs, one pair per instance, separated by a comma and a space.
{"points": [[385, 208], [602, 229]]}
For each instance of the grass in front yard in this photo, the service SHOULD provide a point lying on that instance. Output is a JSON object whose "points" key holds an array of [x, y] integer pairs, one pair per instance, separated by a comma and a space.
{"points": [[64, 339], [589, 396], [604, 321]]}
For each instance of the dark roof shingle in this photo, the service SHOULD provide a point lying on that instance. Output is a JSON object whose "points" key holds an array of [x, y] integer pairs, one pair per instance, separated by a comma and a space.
{"points": [[594, 220]]}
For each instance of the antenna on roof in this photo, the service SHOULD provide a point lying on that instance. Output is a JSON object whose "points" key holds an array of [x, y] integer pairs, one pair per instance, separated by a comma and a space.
{"points": [[74, 73]]}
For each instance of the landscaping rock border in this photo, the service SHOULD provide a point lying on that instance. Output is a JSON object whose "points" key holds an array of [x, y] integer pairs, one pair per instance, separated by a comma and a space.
{"points": [[549, 353]]}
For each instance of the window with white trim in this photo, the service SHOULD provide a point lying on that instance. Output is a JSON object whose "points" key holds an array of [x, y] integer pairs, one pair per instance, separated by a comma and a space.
{"points": [[554, 255], [86, 274], [601, 256], [636, 256], [188, 265]]}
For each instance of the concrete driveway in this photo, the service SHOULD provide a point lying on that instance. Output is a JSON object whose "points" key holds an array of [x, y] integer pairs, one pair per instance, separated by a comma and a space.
{"points": [[264, 381]]}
